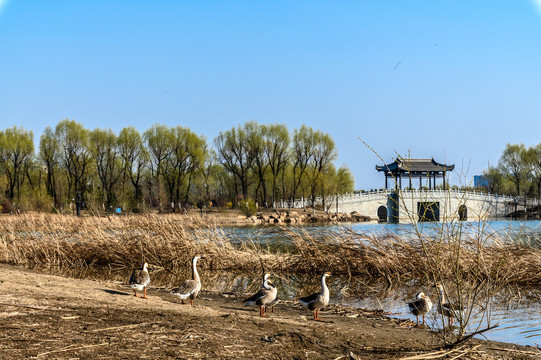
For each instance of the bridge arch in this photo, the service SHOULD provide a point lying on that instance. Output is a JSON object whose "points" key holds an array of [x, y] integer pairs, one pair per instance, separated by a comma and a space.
{"points": [[462, 213], [382, 213]]}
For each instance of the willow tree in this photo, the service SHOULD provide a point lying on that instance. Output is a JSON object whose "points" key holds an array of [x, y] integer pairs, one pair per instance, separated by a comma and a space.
{"points": [[158, 140], [16, 151], [49, 153], [301, 154], [276, 143], [134, 159], [104, 146], [234, 155], [323, 155], [513, 164], [256, 147], [187, 152], [76, 156], [534, 161]]}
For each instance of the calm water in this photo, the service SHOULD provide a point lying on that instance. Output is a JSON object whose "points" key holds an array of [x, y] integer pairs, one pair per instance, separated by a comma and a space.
{"points": [[517, 312]]}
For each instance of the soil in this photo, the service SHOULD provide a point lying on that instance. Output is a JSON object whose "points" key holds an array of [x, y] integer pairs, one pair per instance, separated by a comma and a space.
{"points": [[52, 317]]}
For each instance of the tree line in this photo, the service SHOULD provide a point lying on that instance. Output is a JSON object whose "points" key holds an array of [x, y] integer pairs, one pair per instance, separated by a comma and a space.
{"points": [[518, 172], [166, 168]]}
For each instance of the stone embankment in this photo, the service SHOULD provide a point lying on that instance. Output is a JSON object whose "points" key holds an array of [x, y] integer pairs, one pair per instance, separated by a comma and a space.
{"points": [[293, 217]]}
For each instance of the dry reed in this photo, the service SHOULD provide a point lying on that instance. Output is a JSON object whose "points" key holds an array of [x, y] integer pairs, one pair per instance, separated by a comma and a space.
{"points": [[169, 241]]}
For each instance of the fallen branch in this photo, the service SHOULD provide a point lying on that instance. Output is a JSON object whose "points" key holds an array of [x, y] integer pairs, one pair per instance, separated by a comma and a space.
{"points": [[515, 350], [433, 355], [467, 337], [26, 306], [121, 327], [69, 348]]}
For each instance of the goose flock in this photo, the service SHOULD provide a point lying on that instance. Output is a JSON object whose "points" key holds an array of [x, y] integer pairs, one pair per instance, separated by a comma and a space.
{"points": [[266, 296]]}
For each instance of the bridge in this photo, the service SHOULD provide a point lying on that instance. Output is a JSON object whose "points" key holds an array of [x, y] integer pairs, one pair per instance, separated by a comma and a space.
{"points": [[418, 205]]}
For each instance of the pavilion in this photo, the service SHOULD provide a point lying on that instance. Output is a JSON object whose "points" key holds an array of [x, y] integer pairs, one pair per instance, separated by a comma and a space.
{"points": [[415, 168]]}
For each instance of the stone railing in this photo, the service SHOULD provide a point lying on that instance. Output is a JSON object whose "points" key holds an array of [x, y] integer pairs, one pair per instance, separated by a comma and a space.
{"points": [[378, 194]]}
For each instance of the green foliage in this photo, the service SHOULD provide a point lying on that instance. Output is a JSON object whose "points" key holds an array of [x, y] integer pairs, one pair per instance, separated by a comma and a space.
{"points": [[166, 165], [248, 207]]}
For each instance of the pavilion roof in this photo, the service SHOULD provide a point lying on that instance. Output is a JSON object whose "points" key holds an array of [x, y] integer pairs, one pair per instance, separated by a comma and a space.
{"points": [[415, 166]]}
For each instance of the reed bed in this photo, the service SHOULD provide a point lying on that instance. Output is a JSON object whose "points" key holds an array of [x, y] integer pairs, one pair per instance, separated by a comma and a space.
{"points": [[169, 241]]}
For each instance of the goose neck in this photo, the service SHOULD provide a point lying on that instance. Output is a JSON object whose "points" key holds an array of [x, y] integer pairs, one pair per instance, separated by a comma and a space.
{"points": [[266, 285], [442, 295], [324, 285], [195, 274]]}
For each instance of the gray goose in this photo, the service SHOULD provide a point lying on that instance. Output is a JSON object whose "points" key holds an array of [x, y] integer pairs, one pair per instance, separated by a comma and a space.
{"points": [[139, 280], [190, 288], [421, 306], [265, 296], [446, 308], [317, 300]]}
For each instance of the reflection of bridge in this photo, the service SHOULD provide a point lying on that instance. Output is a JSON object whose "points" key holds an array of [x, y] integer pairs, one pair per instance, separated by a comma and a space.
{"points": [[415, 204]]}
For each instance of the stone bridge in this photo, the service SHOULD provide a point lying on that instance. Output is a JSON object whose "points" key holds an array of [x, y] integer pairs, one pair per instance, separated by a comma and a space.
{"points": [[418, 205]]}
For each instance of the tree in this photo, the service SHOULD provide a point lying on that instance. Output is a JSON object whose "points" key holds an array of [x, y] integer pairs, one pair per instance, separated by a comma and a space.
{"points": [[16, 151], [187, 152], [158, 140], [49, 152], [108, 163], [495, 180], [235, 157], [75, 153], [134, 158], [534, 162], [302, 153], [513, 164], [276, 138], [256, 148], [323, 154]]}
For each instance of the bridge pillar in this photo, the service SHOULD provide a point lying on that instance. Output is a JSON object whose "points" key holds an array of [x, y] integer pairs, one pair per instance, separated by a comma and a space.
{"points": [[393, 206]]}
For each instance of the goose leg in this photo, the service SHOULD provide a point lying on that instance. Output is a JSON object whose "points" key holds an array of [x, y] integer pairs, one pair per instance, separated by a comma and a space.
{"points": [[191, 302], [145, 293], [134, 292]]}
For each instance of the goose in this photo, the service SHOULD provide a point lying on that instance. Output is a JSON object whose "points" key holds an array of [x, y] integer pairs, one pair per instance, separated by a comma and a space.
{"points": [[139, 280], [317, 300], [421, 306], [190, 288], [445, 308], [275, 301], [263, 297]]}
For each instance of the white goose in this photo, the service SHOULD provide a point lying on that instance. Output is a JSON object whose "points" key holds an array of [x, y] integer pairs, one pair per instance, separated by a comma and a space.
{"points": [[275, 301], [139, 280], [190, 288], [421, 306], [265, 296], [317, 300]]}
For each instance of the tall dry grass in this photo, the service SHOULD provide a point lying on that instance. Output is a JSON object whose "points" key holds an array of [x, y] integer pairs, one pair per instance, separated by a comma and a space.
{"points": [[169, 241]]}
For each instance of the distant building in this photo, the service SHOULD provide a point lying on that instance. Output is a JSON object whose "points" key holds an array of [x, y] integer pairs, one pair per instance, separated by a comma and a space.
{"points": [[480, 181]]}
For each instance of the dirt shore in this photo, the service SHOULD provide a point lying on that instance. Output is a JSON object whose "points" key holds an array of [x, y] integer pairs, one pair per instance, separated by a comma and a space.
{"points": [[51, 317]]}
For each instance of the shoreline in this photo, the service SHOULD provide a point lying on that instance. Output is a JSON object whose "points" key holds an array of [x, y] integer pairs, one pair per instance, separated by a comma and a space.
{"points": [[57, 317]]}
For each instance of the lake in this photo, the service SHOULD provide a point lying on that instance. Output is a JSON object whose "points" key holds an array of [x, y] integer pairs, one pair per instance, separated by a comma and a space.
{"points": [[517, 311]]}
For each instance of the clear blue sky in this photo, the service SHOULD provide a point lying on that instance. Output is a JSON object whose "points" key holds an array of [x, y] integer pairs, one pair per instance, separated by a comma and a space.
{"points": [[452, 79]]}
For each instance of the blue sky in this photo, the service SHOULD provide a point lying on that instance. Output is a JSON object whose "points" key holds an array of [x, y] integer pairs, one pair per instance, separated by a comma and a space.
{"points": [[452, 79]]}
